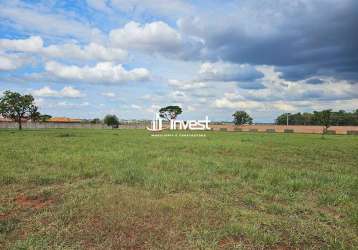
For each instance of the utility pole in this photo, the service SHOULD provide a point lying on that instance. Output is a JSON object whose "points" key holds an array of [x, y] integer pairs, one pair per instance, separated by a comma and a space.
{"points": [[287, 114]]}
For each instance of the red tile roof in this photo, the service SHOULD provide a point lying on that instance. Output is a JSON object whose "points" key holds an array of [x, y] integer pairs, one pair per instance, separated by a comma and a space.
{"points": [[63, 119]]}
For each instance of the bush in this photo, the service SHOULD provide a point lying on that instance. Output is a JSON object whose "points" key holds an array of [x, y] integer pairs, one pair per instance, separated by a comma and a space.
{"points": [[270, 130], [352, 132], [111, 120]]}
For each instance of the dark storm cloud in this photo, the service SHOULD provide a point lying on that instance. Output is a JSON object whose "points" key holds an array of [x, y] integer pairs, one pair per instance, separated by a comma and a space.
{"points": [[295, 73], [302, 37], [314, 81]]}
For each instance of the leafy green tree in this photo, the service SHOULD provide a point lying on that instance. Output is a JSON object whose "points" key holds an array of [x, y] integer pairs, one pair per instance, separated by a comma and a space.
{"points": [[323, 118], [44, 118], [95, 121], [339, 118], [18, 107], [170, 112], [281, 119], [111, 120], [241, 117], [307, 118]]}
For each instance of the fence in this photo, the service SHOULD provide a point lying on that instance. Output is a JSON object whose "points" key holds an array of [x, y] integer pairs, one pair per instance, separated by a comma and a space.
{"points": [[49, 125], [286, 129], [352, 130]]}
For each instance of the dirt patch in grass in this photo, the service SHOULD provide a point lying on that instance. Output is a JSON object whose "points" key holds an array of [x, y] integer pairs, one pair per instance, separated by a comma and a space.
{"points": [[4, 216], [35, 202], [131, 233]]}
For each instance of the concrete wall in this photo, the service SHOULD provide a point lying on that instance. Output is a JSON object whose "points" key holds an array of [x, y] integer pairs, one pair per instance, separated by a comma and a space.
{"points": [[226, 127], [48, 125], [283, 128], [134, 126]]}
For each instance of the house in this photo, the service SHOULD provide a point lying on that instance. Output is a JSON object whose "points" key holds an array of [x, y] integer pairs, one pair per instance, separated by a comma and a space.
{"points": [[63, 120], [2, 119]]}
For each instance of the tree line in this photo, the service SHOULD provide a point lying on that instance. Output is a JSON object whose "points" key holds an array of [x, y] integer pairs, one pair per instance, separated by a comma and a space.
{"points": [[339, 118], [20, 108]]}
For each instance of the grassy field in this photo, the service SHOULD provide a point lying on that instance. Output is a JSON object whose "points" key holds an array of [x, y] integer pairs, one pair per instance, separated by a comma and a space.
{"points": [[123, 189]]}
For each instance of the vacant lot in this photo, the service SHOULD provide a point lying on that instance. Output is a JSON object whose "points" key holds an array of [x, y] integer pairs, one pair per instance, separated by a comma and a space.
{"points": [[122, 189]]}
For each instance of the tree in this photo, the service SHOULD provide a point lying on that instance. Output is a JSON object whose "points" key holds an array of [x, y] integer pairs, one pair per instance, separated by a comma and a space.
{"points": [[170, 112], [307, 118], [44, 118], [18, 107], [241, 117], [281, 120], [95, 121], [323, 118], [339, 118], [111, 120]]}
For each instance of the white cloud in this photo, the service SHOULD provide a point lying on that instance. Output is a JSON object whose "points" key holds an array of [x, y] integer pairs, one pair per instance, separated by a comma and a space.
{"points": [[12, 62], [104, 72], [92, 51], [31, 44], [222, 71], [65, 104], [190, 108], [12, 54], [45, 91], [243, 75], [151, 37], [67, 91], [109, 94], [242, 105], [231, 101], [286, 96], [153, 108], [278, 89], [39, 18], [69, 51], [186, 85], [284, 106], [133, 106], [40, 102], [163, 7], [100, 5]]}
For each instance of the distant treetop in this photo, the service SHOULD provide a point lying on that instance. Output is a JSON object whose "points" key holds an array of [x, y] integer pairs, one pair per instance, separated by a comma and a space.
{"points": [[170, 112]]}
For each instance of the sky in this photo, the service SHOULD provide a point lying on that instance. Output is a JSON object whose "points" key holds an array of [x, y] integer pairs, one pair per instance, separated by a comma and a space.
{"points": [[86, 59]]}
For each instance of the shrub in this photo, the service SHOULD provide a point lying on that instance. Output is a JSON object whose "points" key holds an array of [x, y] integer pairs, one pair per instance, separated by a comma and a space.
{"points": [[270, 130], [352, 132], [111, 120]]}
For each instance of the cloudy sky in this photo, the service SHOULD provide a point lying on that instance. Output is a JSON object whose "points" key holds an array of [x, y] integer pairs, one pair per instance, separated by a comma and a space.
{"points": [[129, 57]]}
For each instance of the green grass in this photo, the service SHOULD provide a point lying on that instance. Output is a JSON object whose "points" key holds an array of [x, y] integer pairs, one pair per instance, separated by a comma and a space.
{"points": [[123, 189]]}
